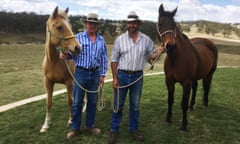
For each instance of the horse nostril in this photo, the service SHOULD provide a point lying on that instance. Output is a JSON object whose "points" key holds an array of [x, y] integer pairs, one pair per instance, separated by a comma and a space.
{"points": [[170, 48], [77, 49]]}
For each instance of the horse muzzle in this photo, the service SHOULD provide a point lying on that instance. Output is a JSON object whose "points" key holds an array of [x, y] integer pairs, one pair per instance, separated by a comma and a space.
{"points": [[76, 50], [170, 48]]}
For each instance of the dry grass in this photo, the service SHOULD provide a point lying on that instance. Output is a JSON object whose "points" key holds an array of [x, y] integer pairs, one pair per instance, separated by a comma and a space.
{"points": [[229, 60]]}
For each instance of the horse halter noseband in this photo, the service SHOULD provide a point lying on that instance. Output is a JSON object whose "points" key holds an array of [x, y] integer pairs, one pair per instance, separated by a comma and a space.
{"points": [[165, 32], [62, 39]]}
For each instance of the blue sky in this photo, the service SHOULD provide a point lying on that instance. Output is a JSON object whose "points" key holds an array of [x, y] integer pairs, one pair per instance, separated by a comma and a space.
{"points": [[224, 11]]}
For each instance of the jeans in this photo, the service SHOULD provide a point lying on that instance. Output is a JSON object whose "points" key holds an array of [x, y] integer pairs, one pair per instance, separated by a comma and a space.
{"points": [[135, 92], [90, 81]]}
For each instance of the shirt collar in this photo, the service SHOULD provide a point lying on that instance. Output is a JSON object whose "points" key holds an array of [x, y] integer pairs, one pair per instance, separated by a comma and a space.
{"points": [[140, 35], [86, 35]]}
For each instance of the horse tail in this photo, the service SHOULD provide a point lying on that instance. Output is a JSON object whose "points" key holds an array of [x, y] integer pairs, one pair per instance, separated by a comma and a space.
{"points": [[210, 44]]}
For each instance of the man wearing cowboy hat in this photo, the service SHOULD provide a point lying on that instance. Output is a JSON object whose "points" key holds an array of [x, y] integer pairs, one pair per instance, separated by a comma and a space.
{"points": [[129, 56], [91, 67]]}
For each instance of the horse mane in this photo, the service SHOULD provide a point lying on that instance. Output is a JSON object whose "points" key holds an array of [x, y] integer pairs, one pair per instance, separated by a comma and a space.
{"points": [[185, 36], [50, 51]]}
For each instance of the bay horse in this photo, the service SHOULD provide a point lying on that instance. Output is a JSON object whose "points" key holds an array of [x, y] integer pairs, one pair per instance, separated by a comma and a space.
{"points": [[59, 37], [186, 62]]}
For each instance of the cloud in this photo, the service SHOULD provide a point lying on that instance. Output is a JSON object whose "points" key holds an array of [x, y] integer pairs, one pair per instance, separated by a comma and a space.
{"points": [[37, 6], [118, 9]]}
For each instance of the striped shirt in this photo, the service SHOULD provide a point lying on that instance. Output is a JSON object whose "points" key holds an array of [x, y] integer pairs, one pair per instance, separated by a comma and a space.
{"points": [[93, 54], [131, 55]]}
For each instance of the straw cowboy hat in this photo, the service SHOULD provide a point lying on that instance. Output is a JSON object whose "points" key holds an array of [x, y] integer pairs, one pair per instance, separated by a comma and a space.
{"points": [[132, 16], [91, 17]]}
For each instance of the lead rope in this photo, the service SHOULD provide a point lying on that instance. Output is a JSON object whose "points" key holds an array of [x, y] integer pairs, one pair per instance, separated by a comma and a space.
{"points": [[101, 99], [86, 90], [115, 108]]}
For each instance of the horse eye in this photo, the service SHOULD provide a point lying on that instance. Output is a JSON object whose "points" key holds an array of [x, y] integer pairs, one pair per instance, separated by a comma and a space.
{"points": [[59, 28]]}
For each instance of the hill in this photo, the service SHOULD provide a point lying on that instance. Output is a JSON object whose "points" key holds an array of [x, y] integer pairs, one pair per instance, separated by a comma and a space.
{"points": [[30, 28]]}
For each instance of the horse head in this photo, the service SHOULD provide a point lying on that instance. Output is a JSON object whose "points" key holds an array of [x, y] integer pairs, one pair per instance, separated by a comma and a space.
{"points": [[167, 28], [59, 32]]}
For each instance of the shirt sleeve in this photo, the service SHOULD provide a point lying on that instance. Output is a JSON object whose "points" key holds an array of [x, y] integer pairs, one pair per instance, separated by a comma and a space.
{"points": [[151, 48], [115, 51], [104, 61]]}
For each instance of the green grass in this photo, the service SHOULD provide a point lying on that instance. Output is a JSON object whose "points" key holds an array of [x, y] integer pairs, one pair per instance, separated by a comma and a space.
{"points": [[22, 77], [217, 124], [21, 72]]}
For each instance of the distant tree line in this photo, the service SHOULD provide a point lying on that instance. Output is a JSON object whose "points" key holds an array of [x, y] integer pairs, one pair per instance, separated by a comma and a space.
{"points": [[23, 23]]}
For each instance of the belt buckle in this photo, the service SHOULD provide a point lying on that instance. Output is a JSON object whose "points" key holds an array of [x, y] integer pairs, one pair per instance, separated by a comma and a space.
{"points": [[130, 72], [93, 69]]}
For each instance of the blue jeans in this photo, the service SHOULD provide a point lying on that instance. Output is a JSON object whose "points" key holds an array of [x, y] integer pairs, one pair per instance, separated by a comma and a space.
{"points": [[90, 81], [135, 92]]}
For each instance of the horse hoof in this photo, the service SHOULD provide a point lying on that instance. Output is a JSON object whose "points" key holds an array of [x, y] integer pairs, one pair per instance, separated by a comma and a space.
{"points": [[69, 123], [43, 130], [190, 109], [168, 123], [182, 131]]}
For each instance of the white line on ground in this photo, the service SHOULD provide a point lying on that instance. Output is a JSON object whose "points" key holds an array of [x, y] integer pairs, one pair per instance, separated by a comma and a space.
{"points": [[58, 92], [9, 106]]}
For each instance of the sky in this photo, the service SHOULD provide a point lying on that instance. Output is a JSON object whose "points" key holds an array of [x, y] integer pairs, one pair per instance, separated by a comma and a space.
{"points": [[223, 11]]}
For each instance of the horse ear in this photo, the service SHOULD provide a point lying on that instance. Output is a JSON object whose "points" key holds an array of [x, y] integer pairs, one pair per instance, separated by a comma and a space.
{"points": [[67, 9], [174, 11], [55, 12], [161, 9]]}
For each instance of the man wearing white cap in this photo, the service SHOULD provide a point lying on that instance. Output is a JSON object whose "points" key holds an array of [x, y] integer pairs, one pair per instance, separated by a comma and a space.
{"points": [[91, 67], [129, 56]]}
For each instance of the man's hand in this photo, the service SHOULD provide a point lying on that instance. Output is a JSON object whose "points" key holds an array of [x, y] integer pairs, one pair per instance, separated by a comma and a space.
{"points": [[161, 50], [101, 80], [62, 55], [115, 83]]}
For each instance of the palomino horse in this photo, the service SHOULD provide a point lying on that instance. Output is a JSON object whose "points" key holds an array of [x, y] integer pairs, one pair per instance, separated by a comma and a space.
{"points": [[59, 37], [186, 62]]}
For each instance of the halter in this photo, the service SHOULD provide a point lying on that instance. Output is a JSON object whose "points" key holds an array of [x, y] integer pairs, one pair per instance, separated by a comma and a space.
{"points": [[165, 32], [62, 39]]}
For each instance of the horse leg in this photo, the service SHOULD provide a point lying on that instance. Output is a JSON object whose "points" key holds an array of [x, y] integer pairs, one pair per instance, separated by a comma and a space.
{"points": [[69, 86], [184, 104], [49, 88], [171, 89], [206, 87], [194, 91]]}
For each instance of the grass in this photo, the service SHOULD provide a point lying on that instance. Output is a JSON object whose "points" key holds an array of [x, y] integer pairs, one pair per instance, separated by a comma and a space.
{"points": [[217, 124], [228, 49], [22, 77], [21, 72]]}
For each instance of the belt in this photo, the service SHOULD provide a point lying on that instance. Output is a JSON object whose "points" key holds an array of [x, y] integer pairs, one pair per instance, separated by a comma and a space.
{"points": [[130, 72], [88, 69]]}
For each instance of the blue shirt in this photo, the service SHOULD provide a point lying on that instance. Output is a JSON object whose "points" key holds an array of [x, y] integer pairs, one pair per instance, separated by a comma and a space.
{"points": [[132, 55], [93, 54]]}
